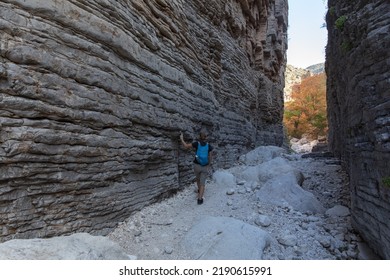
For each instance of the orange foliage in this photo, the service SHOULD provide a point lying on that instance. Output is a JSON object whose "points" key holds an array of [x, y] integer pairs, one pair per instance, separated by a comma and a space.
{"points": [[306, 113]]}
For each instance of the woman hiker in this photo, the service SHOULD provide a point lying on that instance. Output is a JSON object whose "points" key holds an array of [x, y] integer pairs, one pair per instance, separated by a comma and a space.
{"points": [[202, 161]]}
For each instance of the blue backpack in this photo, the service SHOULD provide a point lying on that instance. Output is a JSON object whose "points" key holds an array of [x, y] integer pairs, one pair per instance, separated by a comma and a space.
{"points": [[202, 154]]}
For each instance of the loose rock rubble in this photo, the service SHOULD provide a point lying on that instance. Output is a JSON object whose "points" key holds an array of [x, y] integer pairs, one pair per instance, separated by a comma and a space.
{"points": [[271, 205], [158, 231]]}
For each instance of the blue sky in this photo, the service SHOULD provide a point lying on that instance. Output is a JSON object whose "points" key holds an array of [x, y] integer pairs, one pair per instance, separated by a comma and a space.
{"points": [[306, 38]]}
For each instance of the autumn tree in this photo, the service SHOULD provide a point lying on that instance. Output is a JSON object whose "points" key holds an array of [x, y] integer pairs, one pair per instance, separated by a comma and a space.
{"points": [[306, 113]]}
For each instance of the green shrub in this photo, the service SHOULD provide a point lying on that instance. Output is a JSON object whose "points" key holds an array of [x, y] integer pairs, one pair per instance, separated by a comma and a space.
{"points": [[332, 11], [340, 22], [346, 46], [386, 182]]}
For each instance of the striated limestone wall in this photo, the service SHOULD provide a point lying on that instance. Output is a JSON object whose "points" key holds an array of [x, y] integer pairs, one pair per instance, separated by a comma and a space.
{"points": [[93, 95], [358, 89]]}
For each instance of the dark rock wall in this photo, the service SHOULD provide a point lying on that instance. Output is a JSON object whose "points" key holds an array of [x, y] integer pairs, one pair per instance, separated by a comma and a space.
{"points": [[358, 89], [93, 95]]}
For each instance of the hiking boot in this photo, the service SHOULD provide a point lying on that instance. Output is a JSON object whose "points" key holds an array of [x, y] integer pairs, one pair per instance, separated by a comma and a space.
{"points": [[200, 201]]}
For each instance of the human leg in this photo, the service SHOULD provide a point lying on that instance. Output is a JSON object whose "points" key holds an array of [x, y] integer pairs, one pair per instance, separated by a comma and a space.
{"points": [[202, 183], [198, 184], [197, 171], [201, 192], [201, 174]]}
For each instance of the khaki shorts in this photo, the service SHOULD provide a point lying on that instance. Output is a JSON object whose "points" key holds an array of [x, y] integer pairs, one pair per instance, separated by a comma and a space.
{"points": [[201, 173]]}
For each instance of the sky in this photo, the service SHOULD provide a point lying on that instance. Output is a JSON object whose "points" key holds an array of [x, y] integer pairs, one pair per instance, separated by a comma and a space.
{"points": [[306, 36]]}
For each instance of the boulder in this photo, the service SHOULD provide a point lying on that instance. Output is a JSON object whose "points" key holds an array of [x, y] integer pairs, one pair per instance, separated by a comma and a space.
{"points": [[338, 211], [224, 179], [79, 246], [261, 154], [223, 238], [284, 191], [273, 168]]}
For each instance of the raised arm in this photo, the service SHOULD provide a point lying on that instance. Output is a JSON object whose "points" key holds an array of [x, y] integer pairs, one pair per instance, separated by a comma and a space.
{"points": [[185, 145]]}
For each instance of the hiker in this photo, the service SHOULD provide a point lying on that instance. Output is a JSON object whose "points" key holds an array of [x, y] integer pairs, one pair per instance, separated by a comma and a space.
{"points": [[202, 161]]}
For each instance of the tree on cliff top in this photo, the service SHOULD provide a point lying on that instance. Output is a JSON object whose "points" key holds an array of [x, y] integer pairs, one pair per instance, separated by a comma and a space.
{"points": [[306, 113]]}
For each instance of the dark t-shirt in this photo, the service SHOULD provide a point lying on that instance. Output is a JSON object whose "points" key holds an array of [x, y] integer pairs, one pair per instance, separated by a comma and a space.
{"points": [[195, 146]]}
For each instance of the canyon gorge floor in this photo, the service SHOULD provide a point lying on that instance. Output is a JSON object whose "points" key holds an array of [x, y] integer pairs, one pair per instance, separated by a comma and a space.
{"points": [[164, 230]]}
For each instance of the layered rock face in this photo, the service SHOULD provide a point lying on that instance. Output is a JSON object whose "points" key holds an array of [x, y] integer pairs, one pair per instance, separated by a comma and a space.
{"points": [[358, 88], [94, 94]]}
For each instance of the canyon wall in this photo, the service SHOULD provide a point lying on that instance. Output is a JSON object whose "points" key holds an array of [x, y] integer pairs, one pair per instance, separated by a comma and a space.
{"points": [[94, 94], [358, 89]]}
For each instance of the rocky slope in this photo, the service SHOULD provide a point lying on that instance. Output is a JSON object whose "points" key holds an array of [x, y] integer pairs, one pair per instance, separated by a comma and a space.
{"points": [[358, 91], [294, 76], [93, 96], [316, 68]]}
